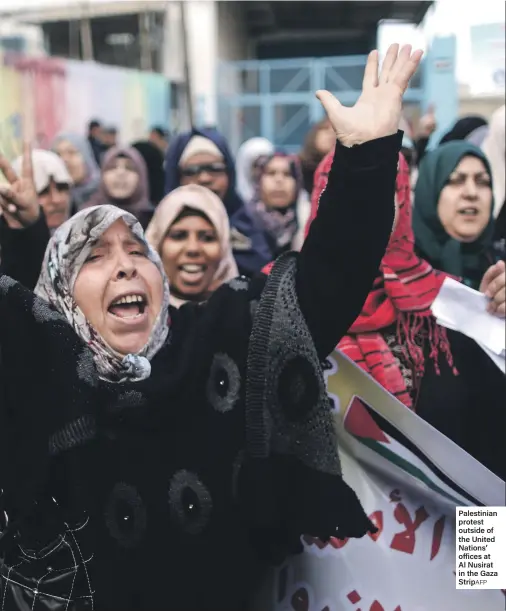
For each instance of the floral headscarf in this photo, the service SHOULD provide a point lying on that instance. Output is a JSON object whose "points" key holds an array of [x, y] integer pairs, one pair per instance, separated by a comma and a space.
{"points": [[65, 255]]}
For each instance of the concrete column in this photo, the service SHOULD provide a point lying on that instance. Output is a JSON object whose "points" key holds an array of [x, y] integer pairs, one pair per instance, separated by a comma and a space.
{"points": [[202, 26], [86, 40], [145, 45]]}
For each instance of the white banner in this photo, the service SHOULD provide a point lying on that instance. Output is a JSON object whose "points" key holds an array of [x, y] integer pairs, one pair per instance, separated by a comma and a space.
{"points": [[409, 478]]}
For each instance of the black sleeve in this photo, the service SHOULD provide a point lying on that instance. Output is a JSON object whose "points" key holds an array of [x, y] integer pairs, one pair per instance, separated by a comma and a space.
{"points": [[23, 251], [341, 256]]}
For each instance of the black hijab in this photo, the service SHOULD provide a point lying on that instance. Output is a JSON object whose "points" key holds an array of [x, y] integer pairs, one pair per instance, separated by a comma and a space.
{"points": [[463, 127], [154, 163]]}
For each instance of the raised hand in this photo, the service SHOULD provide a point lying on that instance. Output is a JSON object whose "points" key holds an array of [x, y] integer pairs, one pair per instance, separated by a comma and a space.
{"points": [[18, 199], [377, 111]]}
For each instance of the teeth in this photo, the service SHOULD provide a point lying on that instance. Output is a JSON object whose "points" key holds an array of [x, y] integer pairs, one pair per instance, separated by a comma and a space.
{"points": [[129, 299], [192, 268]]}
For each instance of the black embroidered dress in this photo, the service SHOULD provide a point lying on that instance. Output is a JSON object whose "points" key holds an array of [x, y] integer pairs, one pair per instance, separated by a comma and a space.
{"points": [[174, 493]]}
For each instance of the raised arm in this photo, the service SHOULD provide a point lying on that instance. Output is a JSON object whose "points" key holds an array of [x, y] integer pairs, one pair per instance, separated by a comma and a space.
{"points": [[23, 230], [342, 253], [22, 250]]}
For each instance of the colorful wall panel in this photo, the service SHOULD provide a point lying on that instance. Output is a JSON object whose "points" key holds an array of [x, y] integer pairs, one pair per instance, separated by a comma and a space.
{"points": [[44, 96]]}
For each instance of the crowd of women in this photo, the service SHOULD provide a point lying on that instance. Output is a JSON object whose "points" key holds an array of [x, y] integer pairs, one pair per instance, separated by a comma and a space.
{"points": [[119, 401]]}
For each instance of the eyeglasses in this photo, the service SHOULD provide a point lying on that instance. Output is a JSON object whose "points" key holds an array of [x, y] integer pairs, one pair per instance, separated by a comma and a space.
{"points": [[211, 168]]}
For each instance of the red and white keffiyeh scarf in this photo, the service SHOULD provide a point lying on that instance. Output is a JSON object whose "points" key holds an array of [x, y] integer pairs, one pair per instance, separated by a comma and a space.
{"points": [[401, 295]]}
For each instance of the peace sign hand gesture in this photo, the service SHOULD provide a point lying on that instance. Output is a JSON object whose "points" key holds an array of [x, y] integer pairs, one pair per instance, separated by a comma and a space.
{"points": [[377, 111], [18, 200]]}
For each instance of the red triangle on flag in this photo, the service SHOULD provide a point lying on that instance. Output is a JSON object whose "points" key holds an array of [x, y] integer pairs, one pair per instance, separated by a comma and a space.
{"points": [[359, 422]]}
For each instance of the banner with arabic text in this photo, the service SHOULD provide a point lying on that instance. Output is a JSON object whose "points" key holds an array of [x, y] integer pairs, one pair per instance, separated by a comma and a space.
{"points": [[409, 478]]}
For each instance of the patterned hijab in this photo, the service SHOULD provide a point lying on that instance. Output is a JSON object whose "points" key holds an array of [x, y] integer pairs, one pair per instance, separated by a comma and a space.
{"points": [[65, 255], [200, 199]]}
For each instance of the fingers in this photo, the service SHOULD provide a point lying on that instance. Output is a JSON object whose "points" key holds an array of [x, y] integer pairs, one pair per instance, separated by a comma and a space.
{"points": [[8, 199], [26, 167], [495, 289], [388, 63], [493, 285], [406, 65], [371, 71], [493, 272], [7, 170], [399, 66], [329, 102], [498, 308], [500, 297]]}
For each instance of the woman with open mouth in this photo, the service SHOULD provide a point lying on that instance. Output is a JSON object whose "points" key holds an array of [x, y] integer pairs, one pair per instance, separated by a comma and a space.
{"points": [[156, 458], [453, 216], [191, 233], [202, 157], [432, 370]]}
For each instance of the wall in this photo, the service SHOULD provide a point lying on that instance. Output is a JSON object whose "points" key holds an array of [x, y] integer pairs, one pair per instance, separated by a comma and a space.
{"points": [[478, 105], [47, 96], [233, 42], [216, 32], [202, 22], [31, 35]]}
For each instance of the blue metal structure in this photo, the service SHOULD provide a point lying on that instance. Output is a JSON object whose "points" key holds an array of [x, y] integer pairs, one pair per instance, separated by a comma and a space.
{"points": [[440, 84], [275, 98]]}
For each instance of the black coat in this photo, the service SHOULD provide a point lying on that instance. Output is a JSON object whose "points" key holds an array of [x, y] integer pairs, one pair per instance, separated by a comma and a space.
{"points": [[175, 493]]}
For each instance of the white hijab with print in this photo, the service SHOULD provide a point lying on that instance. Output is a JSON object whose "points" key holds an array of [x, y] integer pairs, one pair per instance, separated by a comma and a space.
{"points": [[65, 255]]}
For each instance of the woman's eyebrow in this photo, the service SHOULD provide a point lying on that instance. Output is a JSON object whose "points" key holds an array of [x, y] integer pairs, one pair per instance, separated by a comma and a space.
{"points": [[132, 241], [462, 173]]}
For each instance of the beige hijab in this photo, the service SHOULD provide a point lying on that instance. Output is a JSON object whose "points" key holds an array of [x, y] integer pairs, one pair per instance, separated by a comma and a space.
{"points": [[493, 146], [205, 201]]}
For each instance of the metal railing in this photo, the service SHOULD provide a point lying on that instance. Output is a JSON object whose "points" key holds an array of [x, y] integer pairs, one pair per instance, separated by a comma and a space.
{"points": [[275, 98]]}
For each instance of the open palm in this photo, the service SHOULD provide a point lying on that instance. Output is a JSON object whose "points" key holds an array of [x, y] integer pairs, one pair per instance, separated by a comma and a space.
{"points": [[377, 111]]}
